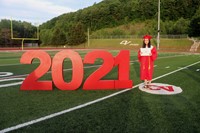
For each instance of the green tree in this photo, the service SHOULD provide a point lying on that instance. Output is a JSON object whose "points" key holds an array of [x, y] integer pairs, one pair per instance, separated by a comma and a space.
{"points": [[59, 37], [45, 36], [5, 40], [76, 34], [5, 37], [194, 26]]}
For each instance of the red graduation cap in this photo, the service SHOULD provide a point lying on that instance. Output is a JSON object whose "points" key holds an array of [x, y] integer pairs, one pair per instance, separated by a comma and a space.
{"points": [[147, 37]]}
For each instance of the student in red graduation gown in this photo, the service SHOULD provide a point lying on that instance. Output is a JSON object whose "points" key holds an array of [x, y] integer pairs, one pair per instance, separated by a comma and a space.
{"points": [[147, 61]]}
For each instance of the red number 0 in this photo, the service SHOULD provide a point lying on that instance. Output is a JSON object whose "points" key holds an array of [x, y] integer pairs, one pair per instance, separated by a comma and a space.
{"points": [[77, 70]]}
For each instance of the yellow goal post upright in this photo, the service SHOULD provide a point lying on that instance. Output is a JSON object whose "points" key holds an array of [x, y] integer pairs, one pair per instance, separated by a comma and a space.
{"points": [[22, 39]]}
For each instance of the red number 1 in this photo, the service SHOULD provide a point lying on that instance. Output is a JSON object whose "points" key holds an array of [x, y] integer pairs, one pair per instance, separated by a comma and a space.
{"points": [[122, 60]]}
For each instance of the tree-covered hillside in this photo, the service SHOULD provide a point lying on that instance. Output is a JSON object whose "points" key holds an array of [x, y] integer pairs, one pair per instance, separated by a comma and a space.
{"points": [[110, 13], [176, 16]]}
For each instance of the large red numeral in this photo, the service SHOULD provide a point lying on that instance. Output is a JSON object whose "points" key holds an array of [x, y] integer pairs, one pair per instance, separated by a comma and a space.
{"points": [[31, 82], [93, 82], [77, 70], [123, 62]]}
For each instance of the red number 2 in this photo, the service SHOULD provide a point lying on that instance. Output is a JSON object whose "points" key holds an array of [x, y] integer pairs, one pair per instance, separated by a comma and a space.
{"points": [[93, 81], [31, 83]]}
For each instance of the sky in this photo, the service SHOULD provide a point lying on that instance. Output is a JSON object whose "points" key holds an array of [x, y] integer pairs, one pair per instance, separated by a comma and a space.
{"points": [[40, 11]]}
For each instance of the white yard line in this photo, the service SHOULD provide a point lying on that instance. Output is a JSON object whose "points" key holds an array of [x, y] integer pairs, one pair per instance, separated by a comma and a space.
{"points": [[39, 62], [131, 62], [85, 104], [16, 76]]}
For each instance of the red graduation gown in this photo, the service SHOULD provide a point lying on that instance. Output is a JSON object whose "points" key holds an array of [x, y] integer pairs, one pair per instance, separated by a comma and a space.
{"points": [[147, 64]]}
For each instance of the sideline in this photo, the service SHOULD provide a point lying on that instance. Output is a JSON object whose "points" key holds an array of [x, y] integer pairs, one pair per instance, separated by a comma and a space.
{"points": [[85, 104]]}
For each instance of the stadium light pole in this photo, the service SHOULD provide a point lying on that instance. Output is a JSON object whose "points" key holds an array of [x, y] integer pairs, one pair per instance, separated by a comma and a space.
{"points": [[158, 37]]}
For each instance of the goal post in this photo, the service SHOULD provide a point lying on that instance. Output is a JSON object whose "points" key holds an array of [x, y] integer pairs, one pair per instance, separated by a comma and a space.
{"points": [[22, 38]]}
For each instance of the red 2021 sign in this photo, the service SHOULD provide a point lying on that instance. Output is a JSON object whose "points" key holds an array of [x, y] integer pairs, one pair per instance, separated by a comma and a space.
{"points": [[93, 82]]}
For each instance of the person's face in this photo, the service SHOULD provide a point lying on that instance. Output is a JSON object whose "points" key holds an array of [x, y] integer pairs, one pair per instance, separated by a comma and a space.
{"points": [[146, 41]]}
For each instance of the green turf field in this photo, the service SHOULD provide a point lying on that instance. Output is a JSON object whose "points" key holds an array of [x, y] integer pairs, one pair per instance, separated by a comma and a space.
{"points": [[128, 111]]}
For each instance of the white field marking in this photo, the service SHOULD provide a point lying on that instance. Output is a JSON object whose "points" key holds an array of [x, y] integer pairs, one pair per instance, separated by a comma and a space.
{"points": [[176, 70], [3, 74], [155, 66], [136, 60], [47, 72], [161, 89], [198, 70], [182, 67], [80, 53], [167, 67], [131, 62], [11, 84], [85, 104]]}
